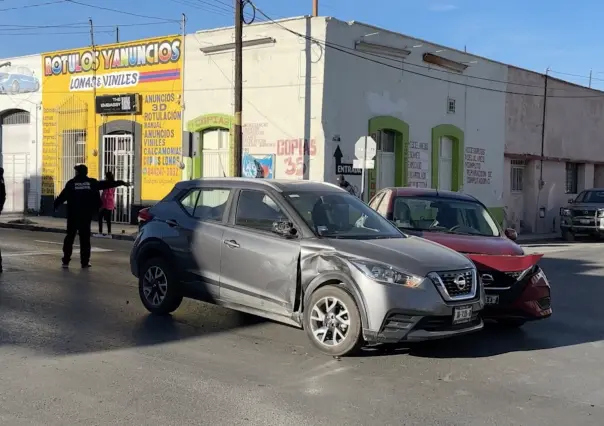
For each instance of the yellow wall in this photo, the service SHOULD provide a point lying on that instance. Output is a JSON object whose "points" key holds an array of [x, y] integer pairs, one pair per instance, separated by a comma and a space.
{"points": [[151, 68]]}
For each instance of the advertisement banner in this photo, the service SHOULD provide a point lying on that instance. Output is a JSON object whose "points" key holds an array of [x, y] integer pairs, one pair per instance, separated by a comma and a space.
{"points": [[258, 166], [145, 78]]}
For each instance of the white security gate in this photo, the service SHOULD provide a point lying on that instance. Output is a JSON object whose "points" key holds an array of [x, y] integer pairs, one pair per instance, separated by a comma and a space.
{"points": [[15, 179], [445, 164], [118, 158], [215, 153]]}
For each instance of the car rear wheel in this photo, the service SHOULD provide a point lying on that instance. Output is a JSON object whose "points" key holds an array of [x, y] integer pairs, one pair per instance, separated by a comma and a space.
{"points": [[158, 287], [332, 321], [15, 87]]}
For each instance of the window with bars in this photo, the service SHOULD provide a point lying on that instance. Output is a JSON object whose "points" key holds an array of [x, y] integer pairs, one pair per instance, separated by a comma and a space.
{"points": [[572, 178], [385, 140], [74, 153], [450, 106], [517, 175]]}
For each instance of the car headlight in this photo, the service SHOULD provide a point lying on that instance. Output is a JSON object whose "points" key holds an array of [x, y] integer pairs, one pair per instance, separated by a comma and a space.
{"points": [[564, 212], [387, 274], [600, 212]]}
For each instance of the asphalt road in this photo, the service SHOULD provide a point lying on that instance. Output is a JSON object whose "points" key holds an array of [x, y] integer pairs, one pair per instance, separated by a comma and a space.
{"points": [[77, 348]]}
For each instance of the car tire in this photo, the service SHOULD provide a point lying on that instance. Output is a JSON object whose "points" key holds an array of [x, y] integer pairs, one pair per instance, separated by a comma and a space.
{"points": [[15, 87], [344, 326], [165, 285], [568, 236], [512, 323]]}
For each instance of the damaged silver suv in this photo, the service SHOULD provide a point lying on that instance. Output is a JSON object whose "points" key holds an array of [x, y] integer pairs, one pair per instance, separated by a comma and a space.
{"points": [[306, 254]]}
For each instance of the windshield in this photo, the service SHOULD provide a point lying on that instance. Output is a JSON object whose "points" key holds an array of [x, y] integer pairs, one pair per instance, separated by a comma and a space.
{"points": [[595, 197], [443, 215], [341, 215]]}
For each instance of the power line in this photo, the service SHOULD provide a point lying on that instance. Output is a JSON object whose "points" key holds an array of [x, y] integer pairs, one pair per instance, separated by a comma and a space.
{"points": [[351, 52], [120, 11], [6, 27], [28, 6]]}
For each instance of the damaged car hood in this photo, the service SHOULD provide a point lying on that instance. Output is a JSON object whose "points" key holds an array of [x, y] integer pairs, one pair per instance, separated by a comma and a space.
{"points": [[413, 255]]}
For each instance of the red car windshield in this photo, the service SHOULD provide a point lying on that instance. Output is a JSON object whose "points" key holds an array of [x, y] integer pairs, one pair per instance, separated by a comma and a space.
{"points": [[449, 215]]}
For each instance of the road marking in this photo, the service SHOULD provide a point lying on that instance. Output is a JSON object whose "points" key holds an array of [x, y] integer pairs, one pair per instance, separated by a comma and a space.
{"points": [[93, 249], [53, 252]]}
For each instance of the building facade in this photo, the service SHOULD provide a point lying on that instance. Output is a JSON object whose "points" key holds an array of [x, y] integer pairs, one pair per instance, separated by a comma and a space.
{"points": [[314, 86], [543, 173], [117, 108], [20, 130]]}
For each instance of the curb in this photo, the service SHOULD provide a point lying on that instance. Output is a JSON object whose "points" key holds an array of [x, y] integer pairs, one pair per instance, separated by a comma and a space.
{"points": [[539, 240], [40, 228]]}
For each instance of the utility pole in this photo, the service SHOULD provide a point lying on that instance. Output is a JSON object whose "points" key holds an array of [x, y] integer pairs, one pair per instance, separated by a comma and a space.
{"points": [[237, 136], [543, 127], [315, 8], [590, 71], [183, 24], [94, 66], [117, 34]]}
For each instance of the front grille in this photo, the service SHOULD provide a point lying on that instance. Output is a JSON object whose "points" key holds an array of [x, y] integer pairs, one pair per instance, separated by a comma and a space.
{"points": [[458, 283], [583, 213], [493, 278]]}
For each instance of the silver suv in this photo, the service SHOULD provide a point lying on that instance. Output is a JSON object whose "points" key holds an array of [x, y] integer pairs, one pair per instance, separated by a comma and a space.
{"points": [[306, 254]]}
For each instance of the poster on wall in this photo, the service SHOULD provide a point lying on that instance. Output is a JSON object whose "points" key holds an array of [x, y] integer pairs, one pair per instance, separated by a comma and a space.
{"points": [[258, 166], [149, 71]]}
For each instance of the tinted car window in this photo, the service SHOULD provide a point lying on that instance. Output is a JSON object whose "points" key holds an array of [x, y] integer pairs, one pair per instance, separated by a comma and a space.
{"points": [[257, 210], [593, 197], [340, 215], [211, 204], [205, 204]]}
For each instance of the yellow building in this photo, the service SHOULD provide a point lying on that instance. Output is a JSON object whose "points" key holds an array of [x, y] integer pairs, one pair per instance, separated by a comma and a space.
{"points": [[115, 108]]}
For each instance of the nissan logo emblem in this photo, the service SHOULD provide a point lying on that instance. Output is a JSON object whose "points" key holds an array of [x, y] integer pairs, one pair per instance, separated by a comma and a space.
{"points": [[460, 282]]}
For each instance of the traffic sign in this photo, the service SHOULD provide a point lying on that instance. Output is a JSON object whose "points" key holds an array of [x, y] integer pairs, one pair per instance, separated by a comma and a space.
{"points": [[358, 164], [365, 148]]}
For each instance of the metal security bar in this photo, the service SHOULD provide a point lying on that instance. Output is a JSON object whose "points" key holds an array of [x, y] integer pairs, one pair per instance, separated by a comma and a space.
{"points": [[15, 179], [72, 117], [118, 158]]}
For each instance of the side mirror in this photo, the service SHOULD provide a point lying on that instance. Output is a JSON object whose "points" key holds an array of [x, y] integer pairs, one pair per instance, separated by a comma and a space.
{"points": [[570, 201], [285, 229], [511, 234]]}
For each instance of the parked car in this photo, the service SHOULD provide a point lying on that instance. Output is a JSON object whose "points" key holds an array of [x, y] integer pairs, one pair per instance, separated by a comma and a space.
{"points": [[516, 288], [18, 79], [583, 215], [306, 254]]}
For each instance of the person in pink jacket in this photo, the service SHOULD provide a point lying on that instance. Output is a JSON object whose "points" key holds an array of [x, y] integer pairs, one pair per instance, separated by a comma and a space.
{"points": [[108, 203]]}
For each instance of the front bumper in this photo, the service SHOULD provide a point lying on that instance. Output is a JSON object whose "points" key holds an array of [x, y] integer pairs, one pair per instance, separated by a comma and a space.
{"points": [[399, 314], [583, 225], [527, 300]]}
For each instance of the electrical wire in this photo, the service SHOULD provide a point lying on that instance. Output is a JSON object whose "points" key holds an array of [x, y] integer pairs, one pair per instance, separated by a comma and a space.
{"points": [[119, 11], [5, 27], [351, 52], [29, 6]]}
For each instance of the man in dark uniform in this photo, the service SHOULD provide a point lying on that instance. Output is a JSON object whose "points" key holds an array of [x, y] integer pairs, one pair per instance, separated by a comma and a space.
{"points": [[2, 201], [83, 198]]}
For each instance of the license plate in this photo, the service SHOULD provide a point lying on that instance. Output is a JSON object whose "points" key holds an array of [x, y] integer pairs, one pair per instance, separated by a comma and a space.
{"points": [[492, 300], [584, 221], [462, 314]]}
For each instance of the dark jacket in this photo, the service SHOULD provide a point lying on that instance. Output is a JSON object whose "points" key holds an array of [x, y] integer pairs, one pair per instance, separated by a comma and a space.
{"points": [[2, 190], [83, 196]]}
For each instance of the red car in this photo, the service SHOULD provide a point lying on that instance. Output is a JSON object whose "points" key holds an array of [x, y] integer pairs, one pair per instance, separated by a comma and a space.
{"points": [[516, 288]]}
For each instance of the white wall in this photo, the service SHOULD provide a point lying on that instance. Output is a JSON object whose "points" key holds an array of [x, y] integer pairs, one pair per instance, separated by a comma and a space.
{"points": [[282, 102], [32, 142], [357, 90]]}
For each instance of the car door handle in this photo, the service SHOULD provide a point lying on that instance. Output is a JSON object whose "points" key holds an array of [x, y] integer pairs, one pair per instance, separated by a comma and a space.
{"points": [[172, 223], [231, 243]]}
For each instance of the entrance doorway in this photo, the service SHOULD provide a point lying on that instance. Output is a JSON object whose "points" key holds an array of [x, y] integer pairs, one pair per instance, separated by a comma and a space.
{"points": [[215, 152], [445, 164], [118, 158], [385, 159]]}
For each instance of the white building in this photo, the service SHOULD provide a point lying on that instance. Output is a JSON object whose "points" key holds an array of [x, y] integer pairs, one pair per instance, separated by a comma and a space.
{"points": [[21, 132], [314, 86]]}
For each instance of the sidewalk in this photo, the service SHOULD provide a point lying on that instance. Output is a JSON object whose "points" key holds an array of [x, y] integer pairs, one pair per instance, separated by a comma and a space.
{"points": [[538, 238], [55, 224]]}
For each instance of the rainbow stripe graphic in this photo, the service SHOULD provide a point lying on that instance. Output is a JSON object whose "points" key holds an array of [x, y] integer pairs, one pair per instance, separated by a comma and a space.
{"points": [[164, 75]]}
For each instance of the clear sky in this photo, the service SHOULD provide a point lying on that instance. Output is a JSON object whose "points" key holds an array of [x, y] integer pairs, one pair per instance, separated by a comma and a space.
{"points": [[534, 34]]}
